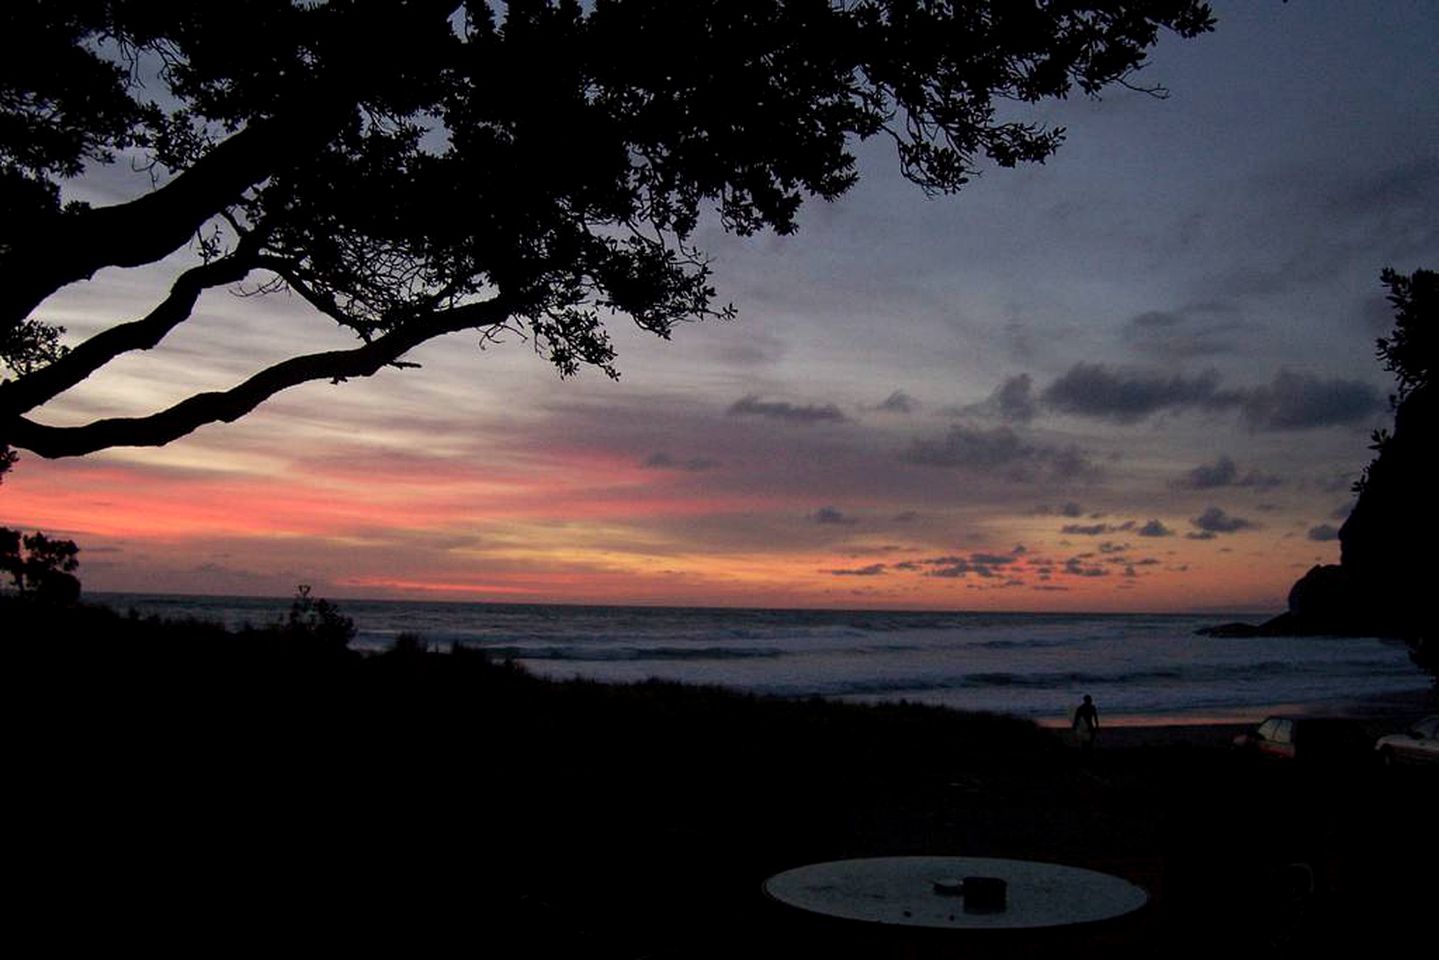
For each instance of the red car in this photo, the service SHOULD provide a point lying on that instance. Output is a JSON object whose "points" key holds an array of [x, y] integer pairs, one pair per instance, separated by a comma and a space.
{"points": [[1305, 738]]}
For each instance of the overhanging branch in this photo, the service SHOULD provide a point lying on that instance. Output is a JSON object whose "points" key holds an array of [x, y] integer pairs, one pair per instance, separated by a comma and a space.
{"points": [[74, 246], [44, 384], [69, 247], [227, 406]]}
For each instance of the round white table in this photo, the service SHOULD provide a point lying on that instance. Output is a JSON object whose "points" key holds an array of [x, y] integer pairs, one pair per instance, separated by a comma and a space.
{"points": [[907, 891]]}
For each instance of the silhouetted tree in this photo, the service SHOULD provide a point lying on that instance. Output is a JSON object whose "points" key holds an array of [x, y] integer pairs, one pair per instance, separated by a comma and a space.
{"points": [[318, 623], [413, 168], [44, 570]]}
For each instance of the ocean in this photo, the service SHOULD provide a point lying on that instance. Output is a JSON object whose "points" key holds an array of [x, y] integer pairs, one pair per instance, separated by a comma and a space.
{"points": [[1140, 668]]}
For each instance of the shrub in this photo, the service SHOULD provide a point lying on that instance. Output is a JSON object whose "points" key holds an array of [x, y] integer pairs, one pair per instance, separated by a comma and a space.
{"points": [[317, 622], [44, 570]]}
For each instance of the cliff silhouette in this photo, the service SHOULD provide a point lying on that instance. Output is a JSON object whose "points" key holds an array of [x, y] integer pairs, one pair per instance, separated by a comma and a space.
{"points": [[1380, 585]]}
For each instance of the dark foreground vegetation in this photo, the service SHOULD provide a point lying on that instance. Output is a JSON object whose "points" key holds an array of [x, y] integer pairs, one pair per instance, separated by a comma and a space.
{"points": [[190, 789]]}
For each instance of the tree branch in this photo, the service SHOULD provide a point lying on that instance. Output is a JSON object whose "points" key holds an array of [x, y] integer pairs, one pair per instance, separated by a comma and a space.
{"points": [[40, 386], [170, 424], [323, 302], [73, 247]]}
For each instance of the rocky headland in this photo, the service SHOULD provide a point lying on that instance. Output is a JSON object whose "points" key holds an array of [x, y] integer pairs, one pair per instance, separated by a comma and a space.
{"points": [[1380, 585]]}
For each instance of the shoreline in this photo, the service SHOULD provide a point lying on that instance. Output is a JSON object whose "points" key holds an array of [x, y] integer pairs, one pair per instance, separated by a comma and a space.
{"points": [[1398, 707], [1387, 713]]}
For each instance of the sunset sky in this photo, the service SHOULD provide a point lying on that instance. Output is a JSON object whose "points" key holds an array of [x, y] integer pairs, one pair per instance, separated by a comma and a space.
{"points": [[1138, 377]]}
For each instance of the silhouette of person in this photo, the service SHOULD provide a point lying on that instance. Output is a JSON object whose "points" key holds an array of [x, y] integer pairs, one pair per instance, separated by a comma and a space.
{"points": [[1086, 722]]}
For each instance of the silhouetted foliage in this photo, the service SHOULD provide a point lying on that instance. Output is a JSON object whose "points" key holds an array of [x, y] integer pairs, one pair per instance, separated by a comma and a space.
{"points": [[409, 645], [44, 570], [412, 168], [1410, 351], [318, 622], [1378, 439]]}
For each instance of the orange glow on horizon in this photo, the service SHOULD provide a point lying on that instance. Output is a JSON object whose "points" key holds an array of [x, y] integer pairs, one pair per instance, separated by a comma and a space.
{"points": [[594, 530]]}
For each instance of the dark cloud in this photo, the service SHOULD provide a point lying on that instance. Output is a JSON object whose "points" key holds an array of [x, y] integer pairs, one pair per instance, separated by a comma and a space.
{"points": [[1096, 529], [1075, 567], [1012, 401], [1221, 473], [1215, 520], [1200, 535], [1225, 473], [830, 515], [1154, 529], [906, 516], [1302, 401], [752, 406], [1291, 401], [1094, 390], [1204, 329], [663, 461], [898, 402], [1324, 532], [971, 447], [1085, 530], [1000, 448], [982, 565], [873, 570]]}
